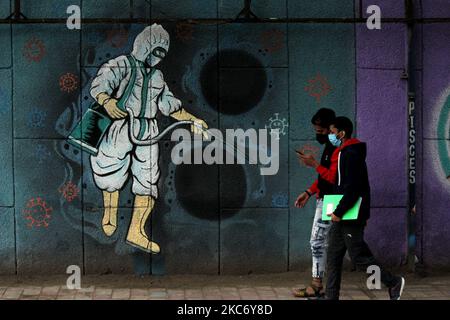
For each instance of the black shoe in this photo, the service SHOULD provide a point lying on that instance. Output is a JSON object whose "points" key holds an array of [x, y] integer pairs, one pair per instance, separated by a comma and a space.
{"points": [[396, 291]]}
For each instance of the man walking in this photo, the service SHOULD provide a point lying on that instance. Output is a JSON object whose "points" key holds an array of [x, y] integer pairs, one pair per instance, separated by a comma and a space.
{"points": [[353, 183], [323, 185]]}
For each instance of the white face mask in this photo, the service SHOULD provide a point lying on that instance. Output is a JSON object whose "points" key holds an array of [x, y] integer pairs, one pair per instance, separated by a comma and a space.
{"points": [[334, 140], [152, 60]]}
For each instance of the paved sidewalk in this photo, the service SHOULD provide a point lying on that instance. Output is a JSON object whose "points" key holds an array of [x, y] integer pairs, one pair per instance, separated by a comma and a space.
{"points": [[264, 287]]}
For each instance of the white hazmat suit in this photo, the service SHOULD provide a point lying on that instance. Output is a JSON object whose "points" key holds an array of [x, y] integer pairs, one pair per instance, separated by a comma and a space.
{"points": [[117, 155], [133, 83]]}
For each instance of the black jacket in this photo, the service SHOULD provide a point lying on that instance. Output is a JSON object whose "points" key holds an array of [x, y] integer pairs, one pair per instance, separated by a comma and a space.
{"points": [[353, 181], [324, 186]]}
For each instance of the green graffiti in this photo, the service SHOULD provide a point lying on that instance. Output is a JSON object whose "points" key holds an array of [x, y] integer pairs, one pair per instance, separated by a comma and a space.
{"points": [[442, 135]]}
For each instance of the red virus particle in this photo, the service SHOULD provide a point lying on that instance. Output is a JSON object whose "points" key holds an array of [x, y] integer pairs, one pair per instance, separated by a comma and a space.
{"points": [[310, 150], [34, 50], [318, 87], [184, 31], [68, 82], [272, 40], [69, 191], [38, 213], [117, 37]]}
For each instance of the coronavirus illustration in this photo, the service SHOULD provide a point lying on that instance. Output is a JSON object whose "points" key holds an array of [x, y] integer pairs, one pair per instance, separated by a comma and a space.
{"points": [[280, 200], [34, 50], [68, 82], [276, 122], [69, 191], [117, 37], [318, 87], [38, 213], [41, 153], [36, 118]]}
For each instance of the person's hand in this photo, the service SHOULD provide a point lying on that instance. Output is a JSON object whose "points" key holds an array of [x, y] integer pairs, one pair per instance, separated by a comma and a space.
{"points": [[113, 110], [200, 127], [308, 160], [302, 199], [335, 218]]}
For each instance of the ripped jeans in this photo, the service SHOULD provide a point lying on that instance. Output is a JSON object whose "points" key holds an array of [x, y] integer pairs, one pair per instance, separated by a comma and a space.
{"points": [[319, 242]]}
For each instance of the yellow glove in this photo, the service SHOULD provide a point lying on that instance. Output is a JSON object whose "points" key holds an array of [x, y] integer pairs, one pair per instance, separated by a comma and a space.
{"points": [[196, 128], [182, 115], [110, 105]]}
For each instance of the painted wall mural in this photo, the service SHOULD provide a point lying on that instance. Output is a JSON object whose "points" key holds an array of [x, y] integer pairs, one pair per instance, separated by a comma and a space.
{"points": [[443, 131], [111, 206]]}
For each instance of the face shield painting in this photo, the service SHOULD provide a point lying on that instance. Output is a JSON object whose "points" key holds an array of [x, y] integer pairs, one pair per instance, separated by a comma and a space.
{"points": [[157, 55]]}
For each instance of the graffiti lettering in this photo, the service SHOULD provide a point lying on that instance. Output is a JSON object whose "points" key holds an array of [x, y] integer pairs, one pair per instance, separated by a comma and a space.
{"points": [[412, 146]]}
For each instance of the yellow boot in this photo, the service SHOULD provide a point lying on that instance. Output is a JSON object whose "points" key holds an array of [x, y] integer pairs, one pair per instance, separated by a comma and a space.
{"points": [[111, 202], [143, 206]]}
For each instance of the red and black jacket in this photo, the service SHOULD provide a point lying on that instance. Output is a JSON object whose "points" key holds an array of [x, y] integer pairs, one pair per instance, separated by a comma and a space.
{"points": [[327, 171]]}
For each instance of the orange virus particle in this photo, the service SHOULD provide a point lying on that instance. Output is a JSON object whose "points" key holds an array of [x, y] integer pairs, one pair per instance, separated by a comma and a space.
{"points": [[117, 37], [38, 213], [272, 40], [69, 191], [318, 87], [68, 82], [34, 50], [184, 31]]}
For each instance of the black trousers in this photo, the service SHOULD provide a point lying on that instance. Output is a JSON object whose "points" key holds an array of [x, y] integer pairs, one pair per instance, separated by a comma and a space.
{"points": [[343, 237]]}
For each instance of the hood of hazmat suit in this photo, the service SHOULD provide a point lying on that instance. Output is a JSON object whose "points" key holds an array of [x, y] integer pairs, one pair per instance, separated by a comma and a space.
{"points": [[151, 44]]}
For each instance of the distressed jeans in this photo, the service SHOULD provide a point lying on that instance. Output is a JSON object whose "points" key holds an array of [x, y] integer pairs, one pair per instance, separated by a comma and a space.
{"points": [[319, 242]]}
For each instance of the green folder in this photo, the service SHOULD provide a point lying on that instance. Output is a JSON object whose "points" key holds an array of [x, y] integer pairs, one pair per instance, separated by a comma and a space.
{"points": [[331, 201]]}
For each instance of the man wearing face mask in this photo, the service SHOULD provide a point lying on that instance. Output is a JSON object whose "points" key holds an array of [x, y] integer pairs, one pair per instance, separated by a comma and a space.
{"points": [[133, 82], [348, 235], [326, 170]]}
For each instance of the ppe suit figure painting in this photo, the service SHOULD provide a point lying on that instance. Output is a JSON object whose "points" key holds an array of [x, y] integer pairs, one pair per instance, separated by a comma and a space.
{"points": [[144, 92]]}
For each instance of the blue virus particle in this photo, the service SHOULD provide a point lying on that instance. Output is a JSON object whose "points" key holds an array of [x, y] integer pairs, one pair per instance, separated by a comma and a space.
{"points": [[36, 118], [41, 153], [280, 200]]}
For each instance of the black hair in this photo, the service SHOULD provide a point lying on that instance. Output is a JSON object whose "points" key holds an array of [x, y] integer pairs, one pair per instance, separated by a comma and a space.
{"points": [[343, 124], [324, 117]]}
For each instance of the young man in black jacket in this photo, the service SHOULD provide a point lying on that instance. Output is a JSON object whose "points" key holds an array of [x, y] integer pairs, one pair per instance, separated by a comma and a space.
{"points": [[352, 182]]}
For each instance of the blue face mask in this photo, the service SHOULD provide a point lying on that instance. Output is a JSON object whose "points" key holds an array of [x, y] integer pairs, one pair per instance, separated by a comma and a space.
{"points": [[334, 140]]}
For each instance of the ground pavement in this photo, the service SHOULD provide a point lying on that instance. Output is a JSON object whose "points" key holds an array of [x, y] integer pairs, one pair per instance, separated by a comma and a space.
{"points": [[191, 287]]}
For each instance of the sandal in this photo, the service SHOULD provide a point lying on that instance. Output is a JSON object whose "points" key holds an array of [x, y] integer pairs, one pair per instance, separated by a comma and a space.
{"points": [[312, 291]]}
